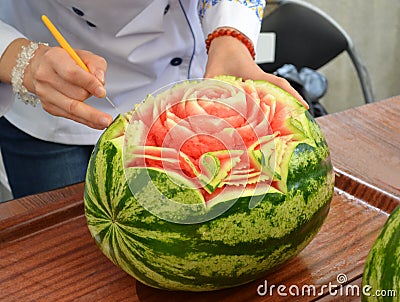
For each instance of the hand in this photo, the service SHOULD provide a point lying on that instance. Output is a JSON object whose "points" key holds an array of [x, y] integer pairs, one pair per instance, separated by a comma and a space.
{"points": [[62, 85], [229, 56]]}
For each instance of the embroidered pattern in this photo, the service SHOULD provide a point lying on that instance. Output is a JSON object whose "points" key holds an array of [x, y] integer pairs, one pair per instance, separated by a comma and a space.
{"points": [[257, 6]]}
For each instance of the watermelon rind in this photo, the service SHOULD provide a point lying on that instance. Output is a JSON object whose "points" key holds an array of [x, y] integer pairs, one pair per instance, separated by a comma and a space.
{"points": [[381, 277]]}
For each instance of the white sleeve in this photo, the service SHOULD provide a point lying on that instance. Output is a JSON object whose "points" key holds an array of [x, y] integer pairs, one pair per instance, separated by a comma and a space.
{"points": [[7, 35], [245, 16]]}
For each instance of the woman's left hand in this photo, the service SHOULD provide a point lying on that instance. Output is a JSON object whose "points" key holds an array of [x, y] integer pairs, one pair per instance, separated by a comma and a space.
{"points": [[229, 56]]}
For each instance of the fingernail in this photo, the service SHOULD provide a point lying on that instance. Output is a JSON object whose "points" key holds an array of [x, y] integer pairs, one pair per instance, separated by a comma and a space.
{"points": [[99, 74], [100, 92], [105, 122]]}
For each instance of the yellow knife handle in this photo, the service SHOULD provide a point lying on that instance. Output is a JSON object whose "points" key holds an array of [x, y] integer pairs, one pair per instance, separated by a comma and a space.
{"points": [[63, 43]]}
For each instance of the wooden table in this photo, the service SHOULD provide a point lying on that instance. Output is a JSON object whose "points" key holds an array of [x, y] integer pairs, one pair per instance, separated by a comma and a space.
{"points": [[47, 253]]}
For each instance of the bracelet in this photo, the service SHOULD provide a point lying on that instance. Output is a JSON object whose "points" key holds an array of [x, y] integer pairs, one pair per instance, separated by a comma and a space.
{"points": [[232, 33], [18, 72]]}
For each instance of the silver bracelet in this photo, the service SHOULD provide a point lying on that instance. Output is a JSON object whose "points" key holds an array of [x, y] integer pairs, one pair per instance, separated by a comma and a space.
{"points": [[18, 72]]}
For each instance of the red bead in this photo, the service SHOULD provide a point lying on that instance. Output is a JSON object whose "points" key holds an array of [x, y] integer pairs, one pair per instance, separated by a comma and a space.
{"points": [[233, 33]]}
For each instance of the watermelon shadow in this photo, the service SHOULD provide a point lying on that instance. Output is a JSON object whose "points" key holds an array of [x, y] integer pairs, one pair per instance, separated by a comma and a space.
{"points": [[253, 291]]}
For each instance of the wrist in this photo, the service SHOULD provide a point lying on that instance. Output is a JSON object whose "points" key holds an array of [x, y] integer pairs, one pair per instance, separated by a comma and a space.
{"points": [[225, 37], [9, 58], [28, 79], [23, 60], [228, 56]]}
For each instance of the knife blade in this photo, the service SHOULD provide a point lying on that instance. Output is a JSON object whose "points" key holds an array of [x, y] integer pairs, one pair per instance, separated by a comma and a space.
{"points": [[112, 104]]}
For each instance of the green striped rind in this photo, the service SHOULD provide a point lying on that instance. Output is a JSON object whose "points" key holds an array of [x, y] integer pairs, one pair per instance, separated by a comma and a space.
{"points": [[237, 247], [382, 267], [241, 245]]}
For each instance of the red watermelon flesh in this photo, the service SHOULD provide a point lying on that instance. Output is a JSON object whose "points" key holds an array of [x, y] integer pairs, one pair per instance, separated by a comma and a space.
{"points": [[228, 133]]}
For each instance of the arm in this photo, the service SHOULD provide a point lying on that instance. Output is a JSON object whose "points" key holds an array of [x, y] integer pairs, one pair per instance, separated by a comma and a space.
{"points": [[228, 55], [62, 88]]}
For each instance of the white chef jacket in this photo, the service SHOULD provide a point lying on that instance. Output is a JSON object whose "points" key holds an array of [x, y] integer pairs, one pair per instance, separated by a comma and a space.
{"points": [[147, 44]]}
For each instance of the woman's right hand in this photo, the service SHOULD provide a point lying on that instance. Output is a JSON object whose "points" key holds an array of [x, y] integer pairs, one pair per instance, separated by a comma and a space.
{"points": [[62, 85]]}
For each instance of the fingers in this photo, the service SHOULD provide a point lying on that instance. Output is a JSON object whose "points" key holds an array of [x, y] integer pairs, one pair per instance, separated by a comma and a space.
{"points": [[48, 81], [76, 110], [62, 85], [285, 85], [71, 73], [96, 64]]}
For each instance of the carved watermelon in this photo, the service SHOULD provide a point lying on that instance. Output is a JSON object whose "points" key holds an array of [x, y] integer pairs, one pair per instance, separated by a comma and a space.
{"points": [[208, 185]]}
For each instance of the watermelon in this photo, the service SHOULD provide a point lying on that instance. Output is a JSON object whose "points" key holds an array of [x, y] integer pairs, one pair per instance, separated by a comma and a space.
{"points": [[209, 184], [381, 277]]}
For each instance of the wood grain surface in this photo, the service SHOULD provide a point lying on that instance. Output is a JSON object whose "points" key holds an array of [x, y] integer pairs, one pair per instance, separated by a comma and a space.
{"points": [[25, 216], [47, 253], [365, 143]]}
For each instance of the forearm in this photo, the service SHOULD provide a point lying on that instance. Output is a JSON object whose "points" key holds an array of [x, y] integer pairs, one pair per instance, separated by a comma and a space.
{"points": [[234, 55], [9, 58], [10, 42]]}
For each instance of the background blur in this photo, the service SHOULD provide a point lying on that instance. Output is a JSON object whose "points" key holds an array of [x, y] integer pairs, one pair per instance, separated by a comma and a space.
{"points": [[374, 26]]}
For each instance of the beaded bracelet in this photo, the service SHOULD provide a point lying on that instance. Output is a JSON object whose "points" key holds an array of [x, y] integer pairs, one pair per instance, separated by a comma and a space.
{"points": [[18, 72], [232, 33]]}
